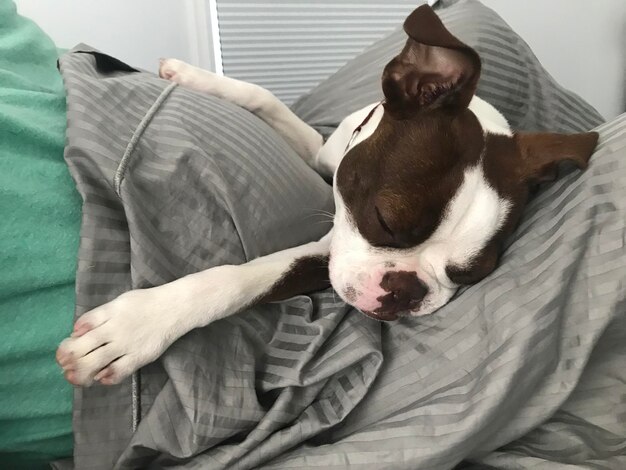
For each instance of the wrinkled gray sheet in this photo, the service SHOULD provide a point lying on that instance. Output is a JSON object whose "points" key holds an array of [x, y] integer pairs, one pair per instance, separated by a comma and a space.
{"points": [[524, 370]]}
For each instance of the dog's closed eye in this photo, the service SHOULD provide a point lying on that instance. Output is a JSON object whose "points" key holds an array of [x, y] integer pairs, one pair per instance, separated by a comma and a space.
{"points": [[400, 237], [382, 222]]}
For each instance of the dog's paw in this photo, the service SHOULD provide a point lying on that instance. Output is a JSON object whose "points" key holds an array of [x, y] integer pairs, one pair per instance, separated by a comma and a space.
{"points": [[174, 70], [112, 341], [186, 75], [193, 78]]}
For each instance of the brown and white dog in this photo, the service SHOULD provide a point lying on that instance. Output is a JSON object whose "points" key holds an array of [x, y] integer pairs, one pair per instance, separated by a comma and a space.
{"points": [[427, 185]]}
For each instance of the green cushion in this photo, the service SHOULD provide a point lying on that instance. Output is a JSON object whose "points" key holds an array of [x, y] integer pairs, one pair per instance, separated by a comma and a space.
{"points": [[40, 219]]}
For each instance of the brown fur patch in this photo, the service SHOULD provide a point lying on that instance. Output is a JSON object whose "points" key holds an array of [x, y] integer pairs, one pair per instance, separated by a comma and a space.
{"points": [[307, 274]]}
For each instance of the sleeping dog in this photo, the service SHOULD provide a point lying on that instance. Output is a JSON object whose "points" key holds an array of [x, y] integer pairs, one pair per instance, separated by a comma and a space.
{"points": [[427, 185]]}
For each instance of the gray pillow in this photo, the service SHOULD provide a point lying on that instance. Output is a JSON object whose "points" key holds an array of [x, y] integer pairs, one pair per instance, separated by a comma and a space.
{"points": [[172, 182], [513, 80]]}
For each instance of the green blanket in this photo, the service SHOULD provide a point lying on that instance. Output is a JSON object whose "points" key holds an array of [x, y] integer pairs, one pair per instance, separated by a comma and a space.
{"points": [[40, 218]]}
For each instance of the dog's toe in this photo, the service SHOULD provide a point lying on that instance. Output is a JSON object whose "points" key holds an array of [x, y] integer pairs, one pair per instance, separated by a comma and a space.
{"points": [[89, 321], [115, 372], [85, 357], [86, 351]]}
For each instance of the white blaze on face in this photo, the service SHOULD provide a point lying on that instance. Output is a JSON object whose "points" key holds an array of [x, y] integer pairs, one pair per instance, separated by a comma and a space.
{"points": [[470, 220]]}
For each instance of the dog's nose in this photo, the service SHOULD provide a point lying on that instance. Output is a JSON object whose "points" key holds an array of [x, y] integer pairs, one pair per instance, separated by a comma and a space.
{"points": [[405, 291]]}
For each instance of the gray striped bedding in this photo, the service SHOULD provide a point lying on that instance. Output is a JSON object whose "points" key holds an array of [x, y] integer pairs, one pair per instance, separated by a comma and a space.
{"points": [[523, 370]]}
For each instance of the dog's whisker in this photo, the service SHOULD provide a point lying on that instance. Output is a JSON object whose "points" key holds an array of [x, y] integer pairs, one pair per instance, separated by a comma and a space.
{"points": [[325, 216], [321, 211], [320, 215]]}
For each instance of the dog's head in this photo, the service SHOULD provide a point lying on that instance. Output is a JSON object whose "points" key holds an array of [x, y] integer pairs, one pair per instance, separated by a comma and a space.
{"points": [[424, 203]]}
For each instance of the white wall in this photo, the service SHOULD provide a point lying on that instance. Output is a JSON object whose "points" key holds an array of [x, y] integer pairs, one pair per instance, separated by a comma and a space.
{"points": [[582, 43], [136, 31]]}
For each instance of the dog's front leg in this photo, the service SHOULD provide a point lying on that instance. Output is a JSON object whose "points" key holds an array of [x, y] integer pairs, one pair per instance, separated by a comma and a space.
{"points": [[301, 137], [112, 341]]}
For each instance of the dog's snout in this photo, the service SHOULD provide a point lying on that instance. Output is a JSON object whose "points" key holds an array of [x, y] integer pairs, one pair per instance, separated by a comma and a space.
{"points": [[385, 291], [405, 291]]}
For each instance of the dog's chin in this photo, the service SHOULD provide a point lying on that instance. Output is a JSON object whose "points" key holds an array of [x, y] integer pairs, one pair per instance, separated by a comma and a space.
{"points": [[383, 317], [386, 316]]}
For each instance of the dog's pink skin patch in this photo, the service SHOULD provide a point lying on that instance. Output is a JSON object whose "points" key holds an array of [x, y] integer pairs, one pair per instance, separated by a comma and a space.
{"points": [[80, 328], [70, 376], [368, 291]]}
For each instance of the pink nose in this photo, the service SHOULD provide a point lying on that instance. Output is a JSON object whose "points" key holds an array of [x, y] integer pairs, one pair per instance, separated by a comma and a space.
{"points": [[404, 290]]}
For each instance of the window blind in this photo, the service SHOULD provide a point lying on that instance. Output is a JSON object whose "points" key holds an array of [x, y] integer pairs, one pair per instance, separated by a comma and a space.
{"points": [[290, 46]]}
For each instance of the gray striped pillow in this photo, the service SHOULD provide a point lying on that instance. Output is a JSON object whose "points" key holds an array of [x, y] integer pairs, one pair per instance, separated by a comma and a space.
{"points": [[513, 80]]}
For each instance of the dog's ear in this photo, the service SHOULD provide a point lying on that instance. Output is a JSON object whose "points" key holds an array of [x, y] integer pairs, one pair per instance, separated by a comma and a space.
{"points": [[434, 69], [541, 153]]}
